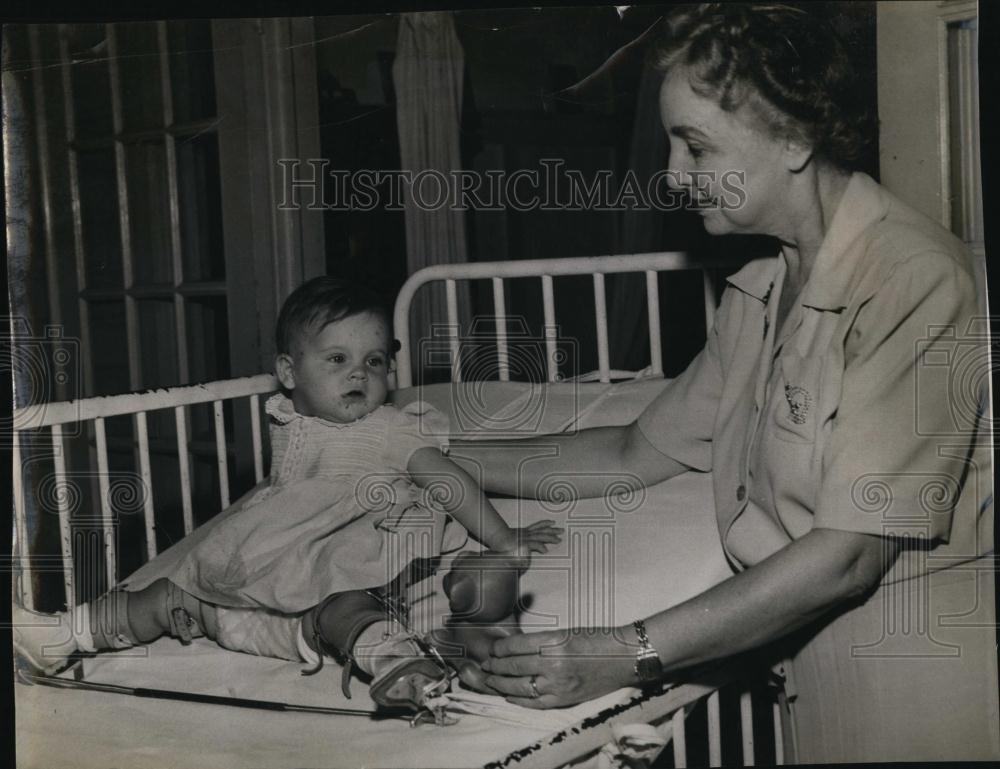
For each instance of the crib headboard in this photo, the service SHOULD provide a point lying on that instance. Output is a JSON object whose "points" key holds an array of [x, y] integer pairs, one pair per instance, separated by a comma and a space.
{"points": [[545, 270]]}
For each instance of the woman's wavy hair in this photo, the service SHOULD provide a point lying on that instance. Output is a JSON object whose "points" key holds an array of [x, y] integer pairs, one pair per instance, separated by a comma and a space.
{"points": [[789, 67]]}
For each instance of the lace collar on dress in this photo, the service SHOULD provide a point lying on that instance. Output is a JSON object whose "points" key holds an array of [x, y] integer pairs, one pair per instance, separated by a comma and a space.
{"points": [[280, 408]]}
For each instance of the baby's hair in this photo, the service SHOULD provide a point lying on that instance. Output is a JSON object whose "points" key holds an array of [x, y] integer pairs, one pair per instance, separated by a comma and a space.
{"points": [[787, 65], [323, 300]]}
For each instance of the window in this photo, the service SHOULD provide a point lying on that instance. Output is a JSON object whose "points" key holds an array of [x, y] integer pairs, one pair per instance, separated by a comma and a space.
{"points": [[145, 182]]}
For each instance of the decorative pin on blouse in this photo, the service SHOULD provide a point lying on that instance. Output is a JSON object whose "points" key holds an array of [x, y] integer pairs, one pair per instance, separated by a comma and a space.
{"points": [[767, 317], [799, 402]]}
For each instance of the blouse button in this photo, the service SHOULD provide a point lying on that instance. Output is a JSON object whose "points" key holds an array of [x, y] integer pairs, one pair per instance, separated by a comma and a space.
{"points": [[741, 493]]}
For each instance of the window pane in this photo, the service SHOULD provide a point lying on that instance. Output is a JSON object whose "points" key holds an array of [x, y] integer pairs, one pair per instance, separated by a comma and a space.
{"points": [[149, 211], [99, 212], [158, 342], [200, 197], [109, 353], [208, 338], [88, 50], [192, 69], [139, 68]]}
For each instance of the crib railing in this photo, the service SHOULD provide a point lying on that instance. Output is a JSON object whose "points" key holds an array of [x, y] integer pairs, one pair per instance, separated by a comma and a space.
{"points": [[669, 711], [92, 412], [546, 270]]}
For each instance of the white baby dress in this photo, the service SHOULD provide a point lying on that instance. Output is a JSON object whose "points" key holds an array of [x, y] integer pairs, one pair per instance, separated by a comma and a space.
{"points": [[339, 513]]}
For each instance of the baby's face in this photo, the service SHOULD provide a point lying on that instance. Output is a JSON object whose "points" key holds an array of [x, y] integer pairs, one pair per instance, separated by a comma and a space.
{"points": [[339, 372]]}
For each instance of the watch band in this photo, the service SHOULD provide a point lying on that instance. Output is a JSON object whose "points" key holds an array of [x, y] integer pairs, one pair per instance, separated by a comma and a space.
{"points": [[648, 666]]}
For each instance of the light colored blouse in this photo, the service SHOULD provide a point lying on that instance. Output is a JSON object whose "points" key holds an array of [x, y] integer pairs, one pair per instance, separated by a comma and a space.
{"points": [[857, 414]]}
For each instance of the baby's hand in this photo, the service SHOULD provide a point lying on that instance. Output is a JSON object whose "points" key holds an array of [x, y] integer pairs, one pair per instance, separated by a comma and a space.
{"points": [[535, 538]]}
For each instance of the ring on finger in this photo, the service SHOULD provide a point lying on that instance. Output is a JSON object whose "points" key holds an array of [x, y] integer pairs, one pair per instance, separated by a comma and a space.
{"points": [[532, 682]]}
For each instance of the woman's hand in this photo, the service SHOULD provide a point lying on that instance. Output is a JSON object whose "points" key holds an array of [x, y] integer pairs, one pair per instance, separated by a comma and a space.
{"points": [[566, 666], [535, 538]]}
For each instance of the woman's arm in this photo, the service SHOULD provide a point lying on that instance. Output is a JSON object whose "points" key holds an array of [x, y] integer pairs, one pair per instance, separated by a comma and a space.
{"points": [[465, 501], [799, 583], [519, 467]]}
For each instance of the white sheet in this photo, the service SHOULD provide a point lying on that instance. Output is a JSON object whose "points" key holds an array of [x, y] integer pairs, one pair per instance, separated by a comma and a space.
{"points": [[620, 559]]}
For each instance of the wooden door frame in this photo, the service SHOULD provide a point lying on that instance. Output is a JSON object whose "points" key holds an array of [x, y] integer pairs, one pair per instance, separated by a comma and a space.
{"points": [[265, 74]]}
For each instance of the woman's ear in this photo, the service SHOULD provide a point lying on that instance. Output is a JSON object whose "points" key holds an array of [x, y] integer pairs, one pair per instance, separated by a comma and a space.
{"points": [[797, 154], [285, 370]]}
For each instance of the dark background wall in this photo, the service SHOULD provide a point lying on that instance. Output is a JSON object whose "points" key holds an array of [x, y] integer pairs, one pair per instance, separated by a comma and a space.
{"points": [[516, 63]]}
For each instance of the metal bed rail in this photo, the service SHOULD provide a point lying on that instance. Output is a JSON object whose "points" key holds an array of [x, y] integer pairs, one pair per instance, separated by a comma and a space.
{"points": [[54, 416], [545, 270], [667, 710]]}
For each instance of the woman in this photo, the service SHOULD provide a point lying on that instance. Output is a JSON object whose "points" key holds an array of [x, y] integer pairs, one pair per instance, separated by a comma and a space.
{"points": [[809, 406]]}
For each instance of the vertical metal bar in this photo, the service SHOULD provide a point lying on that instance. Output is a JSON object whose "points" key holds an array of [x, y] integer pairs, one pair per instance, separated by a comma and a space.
{"points": [[549, 308], [176, 244], [26, 592], [452, 301], [184, 466], [680, 740], [973, 144], [63, 497], [779, 737], [963, 81], [142, 434], [500, 310], [714, 731], [79, 255], [746, 727], [709, 289], [45, 185], [258, 450], [968, 94], [107, 523], [653, 311], [601, 311], [124, 226], [220, 453]]}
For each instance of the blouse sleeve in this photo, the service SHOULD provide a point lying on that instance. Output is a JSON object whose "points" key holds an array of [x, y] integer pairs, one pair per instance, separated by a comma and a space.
{"points": [[415, 426], [679, 423], [896, 456]]}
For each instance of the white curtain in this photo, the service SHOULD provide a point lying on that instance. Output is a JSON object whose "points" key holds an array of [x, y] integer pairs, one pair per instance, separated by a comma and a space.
{"points": [[427, 75]]}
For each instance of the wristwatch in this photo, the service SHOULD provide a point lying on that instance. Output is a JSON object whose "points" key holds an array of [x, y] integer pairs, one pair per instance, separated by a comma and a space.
{"points": [[648, 666]]}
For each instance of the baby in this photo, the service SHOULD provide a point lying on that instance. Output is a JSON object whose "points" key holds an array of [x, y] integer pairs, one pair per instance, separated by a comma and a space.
{"points": [[303, 565]]}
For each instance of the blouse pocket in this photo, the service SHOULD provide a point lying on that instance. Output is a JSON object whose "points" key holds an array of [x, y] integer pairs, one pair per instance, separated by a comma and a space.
{"points": [[796, 398]]}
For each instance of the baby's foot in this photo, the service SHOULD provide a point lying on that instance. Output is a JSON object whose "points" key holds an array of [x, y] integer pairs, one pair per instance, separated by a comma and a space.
{"points": [[42, 642], [484, 587], [466, 646]]}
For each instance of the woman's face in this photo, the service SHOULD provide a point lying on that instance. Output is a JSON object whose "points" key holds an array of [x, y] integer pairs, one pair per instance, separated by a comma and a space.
{"points": [[737, 175]]}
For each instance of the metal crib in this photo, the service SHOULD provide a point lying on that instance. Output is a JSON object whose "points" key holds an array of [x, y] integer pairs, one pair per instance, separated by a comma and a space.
{"points": [[668, 708]]}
